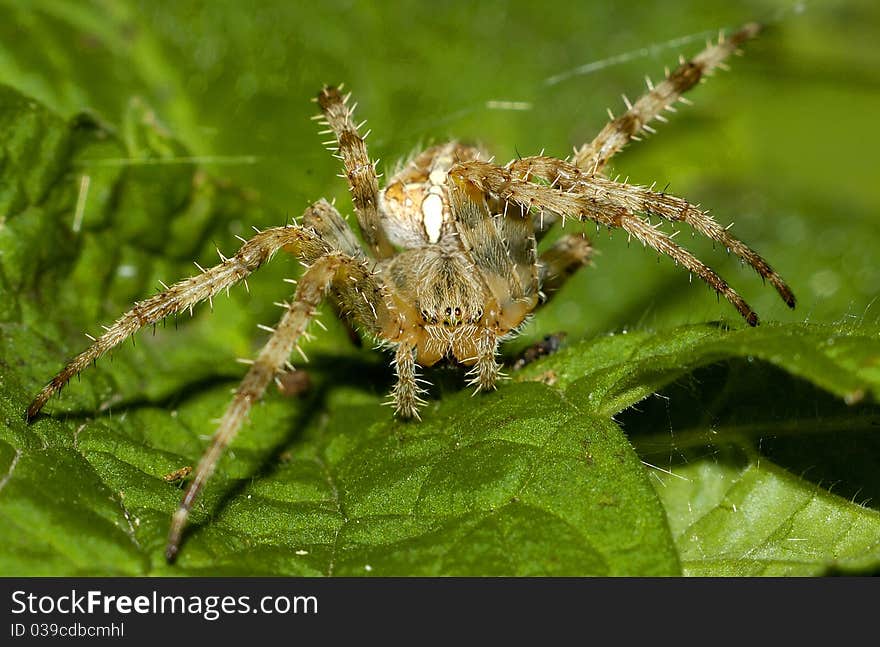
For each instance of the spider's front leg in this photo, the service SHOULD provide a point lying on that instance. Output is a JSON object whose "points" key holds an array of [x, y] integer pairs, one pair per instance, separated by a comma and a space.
{"points": [[185, 294], [586, 206], [619, 132], [504, 253], [359, 169], [334, 270], [503, 248], [486, 372], [635, 199]]}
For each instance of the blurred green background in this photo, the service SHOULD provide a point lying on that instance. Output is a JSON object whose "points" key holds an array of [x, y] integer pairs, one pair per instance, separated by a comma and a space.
{"points": [[783, 145]]}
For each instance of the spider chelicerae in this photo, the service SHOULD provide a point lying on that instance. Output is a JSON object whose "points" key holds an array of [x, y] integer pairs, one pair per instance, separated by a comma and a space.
{"points": [[450, 264]]}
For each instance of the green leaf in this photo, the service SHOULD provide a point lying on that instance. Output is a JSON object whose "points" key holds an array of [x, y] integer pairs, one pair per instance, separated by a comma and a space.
{"points": [[617, 371], [712, 440], [522, 483], [659, 449], [767, 474]]}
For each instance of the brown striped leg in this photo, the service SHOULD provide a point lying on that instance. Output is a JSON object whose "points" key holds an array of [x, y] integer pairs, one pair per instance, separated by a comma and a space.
{"points": [[650, 235], [184, 295], [269, 364], [359, 169], [499, 181], [594, 156], [639, 199]]}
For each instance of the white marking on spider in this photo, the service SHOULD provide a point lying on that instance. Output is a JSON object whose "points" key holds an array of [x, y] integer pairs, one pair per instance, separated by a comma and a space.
{"points": [[432, 216]]}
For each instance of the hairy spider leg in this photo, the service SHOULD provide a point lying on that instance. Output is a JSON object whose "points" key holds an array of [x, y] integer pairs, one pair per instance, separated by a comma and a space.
{"points": [[494, 179], [359, 169], [619, 132], [331, 227], [333, 268], [185, 294], [640, 199]]}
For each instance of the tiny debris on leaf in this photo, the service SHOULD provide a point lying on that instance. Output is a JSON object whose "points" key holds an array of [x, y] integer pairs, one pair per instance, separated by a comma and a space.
{"points": [[178, 475]]}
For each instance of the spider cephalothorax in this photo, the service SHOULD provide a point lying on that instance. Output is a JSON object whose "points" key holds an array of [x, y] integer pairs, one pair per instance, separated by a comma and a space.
{"points": [[450, 263]]}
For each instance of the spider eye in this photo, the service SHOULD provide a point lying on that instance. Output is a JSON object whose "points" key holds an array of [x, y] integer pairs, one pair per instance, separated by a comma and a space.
{"points": [[448, 311], [458, 312]]}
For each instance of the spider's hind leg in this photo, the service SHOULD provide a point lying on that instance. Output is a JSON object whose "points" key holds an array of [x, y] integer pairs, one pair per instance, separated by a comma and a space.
{"points": [[559, 262]]}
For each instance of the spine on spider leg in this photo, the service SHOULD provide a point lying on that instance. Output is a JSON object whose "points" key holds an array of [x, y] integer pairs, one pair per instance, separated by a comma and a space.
{"points": [[620, 131]]}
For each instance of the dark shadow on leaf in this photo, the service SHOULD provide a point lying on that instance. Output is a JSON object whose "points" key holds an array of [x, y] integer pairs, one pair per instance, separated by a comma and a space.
{"points": [[179, 395], [347, 370], [758, 407], [327, 372], [836, 571], [272, 458]]}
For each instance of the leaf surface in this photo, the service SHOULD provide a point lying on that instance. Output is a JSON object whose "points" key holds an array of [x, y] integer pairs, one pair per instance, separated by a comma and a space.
{"points": [[660, 449]]}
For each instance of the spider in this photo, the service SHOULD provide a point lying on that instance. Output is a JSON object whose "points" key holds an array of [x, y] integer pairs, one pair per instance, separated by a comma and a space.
{"points": [[449, 266]]}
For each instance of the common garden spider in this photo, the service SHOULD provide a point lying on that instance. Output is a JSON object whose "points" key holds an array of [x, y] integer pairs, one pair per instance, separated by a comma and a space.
{"points": [[449, 265]]}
